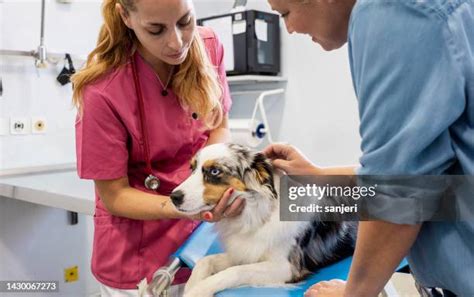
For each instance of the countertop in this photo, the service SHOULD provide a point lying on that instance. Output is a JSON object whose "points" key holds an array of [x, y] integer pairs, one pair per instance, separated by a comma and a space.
{"points": [[59, 189]]}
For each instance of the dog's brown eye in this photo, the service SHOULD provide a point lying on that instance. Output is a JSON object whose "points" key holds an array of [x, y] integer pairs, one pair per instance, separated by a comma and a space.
{"points": [[215, 171]]}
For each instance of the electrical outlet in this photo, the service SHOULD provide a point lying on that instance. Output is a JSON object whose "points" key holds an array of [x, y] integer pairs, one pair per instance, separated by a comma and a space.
{"points": [[71, 274], [38, 125], [19, 126]]}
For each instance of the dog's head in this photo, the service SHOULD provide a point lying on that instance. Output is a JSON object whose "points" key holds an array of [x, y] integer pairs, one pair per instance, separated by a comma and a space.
{"points": [[221, 166]]}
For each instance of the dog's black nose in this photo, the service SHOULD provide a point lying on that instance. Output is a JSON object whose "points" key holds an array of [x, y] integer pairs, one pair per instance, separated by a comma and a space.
{"points": [[177, 197]]}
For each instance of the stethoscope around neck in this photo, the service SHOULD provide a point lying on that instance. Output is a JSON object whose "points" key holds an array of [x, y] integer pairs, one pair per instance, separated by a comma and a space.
{"points": [[151, 181]]}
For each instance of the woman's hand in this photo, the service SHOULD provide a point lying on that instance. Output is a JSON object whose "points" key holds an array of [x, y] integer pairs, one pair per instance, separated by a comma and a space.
{"points": [[290, 160], [222, 210], [333, 288]]}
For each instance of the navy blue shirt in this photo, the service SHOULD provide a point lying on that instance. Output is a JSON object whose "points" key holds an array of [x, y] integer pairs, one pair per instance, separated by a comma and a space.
{"points": [[412, 66]]}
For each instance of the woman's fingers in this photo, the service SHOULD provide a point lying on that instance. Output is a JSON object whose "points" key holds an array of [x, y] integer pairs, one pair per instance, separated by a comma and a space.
{"points": [[282, 164], [223, 202], [235, 208], [217, 212], [223, 210]]}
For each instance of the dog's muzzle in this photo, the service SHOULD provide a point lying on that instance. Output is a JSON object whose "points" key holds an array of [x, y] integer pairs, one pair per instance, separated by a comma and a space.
{"points": [[177, 197]]}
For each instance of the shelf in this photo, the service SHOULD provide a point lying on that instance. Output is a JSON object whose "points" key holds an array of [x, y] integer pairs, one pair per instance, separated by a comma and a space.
{"points": [[246, 79], [63, 190]]}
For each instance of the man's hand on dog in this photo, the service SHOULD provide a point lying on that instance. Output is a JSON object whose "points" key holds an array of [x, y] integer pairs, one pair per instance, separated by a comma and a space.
{"points": [[222, 210], [333, 288], [290, 159]]}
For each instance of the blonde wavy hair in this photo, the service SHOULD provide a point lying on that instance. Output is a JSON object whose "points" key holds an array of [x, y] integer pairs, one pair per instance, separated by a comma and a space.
{"points": [[196, 83]]}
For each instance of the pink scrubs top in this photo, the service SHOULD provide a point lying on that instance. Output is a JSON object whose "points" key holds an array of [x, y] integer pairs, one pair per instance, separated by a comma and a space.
{"points": [[109, 145]]}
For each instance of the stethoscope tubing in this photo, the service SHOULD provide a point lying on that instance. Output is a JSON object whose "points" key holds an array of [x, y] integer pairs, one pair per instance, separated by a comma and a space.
{"points": [[151, 182]]}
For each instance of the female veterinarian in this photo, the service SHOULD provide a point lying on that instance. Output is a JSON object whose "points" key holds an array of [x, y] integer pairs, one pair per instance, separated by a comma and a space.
{"points": [[153, 92], [412, 66]]}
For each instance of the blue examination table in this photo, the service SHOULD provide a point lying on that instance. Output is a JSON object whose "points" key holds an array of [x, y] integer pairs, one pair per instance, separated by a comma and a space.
{"points": [[204, 242]]}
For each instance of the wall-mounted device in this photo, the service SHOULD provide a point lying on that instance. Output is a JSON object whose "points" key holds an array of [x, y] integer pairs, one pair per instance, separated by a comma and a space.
{"points": [[251, 41]]}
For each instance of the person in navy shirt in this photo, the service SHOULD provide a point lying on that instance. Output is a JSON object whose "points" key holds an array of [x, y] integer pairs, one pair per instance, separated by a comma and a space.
{"points": [[412, 65]]}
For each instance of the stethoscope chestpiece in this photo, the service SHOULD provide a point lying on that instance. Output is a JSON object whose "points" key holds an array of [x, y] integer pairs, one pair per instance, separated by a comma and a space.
{"points": [[152, 183]]}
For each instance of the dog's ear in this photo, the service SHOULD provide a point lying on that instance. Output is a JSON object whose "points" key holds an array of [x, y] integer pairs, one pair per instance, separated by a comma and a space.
{"points": [[260, 174], [262, 168]]}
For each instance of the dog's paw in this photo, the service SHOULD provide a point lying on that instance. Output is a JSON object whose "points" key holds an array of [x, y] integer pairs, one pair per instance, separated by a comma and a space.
{"points": [[200, 272], [198, 291]]}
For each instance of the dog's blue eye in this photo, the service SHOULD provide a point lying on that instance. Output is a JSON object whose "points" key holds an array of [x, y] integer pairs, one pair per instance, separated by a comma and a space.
{"points": [[215, 171]]}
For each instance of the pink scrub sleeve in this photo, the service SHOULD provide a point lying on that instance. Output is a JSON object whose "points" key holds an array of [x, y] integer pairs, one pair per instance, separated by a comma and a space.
{"points": [[101, 139]]}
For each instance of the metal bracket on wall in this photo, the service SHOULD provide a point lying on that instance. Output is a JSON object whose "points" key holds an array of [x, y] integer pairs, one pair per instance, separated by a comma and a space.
{"points": [[41, 55]]}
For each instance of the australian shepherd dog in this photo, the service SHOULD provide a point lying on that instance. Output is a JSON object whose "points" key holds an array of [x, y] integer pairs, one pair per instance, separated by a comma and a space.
{"points": [[260, 250]]}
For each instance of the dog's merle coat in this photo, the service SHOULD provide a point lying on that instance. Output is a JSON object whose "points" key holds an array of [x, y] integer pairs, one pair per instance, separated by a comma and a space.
{"points": [[323, 243], [260, 249]]}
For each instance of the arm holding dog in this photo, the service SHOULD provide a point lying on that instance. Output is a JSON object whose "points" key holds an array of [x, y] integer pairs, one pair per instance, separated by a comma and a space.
{"points": [[380, 248], [293, 162], [122, 200]]}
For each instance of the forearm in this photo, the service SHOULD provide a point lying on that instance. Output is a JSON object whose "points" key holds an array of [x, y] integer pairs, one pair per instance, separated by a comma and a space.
{"points": [[345, 170], [219, 135], [134, 204], [380, 248]]}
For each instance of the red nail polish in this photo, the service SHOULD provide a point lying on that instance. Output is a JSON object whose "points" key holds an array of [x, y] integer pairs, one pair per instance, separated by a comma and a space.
{"points": [[207, 216], [232, 191]]}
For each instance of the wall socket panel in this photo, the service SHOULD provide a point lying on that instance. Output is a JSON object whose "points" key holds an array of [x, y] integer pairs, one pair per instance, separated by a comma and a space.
{"points": [[20, 126], [38, 125], [23, 125]]}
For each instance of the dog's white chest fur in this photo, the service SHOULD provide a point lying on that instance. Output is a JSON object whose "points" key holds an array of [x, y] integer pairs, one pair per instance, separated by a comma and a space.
{"points": [[259, 235], [273, 240]]}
